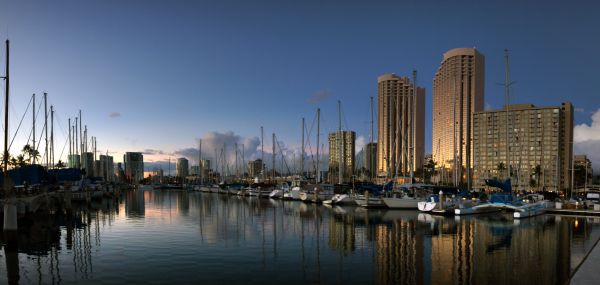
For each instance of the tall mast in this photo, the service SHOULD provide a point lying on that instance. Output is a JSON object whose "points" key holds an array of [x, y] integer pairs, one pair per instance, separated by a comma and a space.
{"points": [[76, 136], [237, 173], [200, 166], [94, 161], [46, 129], [454, 156], [216, 165], [70, 146], [341, 146], [52, 135], [371, 142], [7, 80], [33, 114], [262, 154], [413, 127], [273, 157], [243, 162], [506, 98], [302, 151], [80, 143], [318, 131]]}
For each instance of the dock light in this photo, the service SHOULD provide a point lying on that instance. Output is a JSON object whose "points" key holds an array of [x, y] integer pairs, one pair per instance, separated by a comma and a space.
{"points": [[576, 223]]}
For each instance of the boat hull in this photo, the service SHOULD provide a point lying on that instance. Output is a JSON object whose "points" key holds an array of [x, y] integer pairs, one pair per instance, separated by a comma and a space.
{"points": [[401, 203]]}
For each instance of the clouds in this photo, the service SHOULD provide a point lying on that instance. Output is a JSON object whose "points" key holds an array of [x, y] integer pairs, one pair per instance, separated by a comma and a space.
{"points": [[590, 132], [149, 151], [360, 143], [320, 96], [586, 139], [219, 146]]}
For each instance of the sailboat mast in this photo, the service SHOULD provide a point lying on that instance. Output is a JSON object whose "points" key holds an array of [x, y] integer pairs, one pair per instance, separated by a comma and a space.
{"points": [[413, 161], [6, 79], [46, 129], [371, 143], [341, 146], [317, 176], [273, 157], [94, 161], [302, 151], [262, 154], [506, 99], [200, 166], [33, 114], [76, 146], [52, 135], [80, 137], [216, 165], [455, 170], [243, 162], [70, 145]]}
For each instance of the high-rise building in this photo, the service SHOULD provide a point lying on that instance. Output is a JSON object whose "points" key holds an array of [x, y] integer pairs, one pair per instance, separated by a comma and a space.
{"points": [[539, 146], [195, 170], [134, 166], [74, 161], [400, 125], [457, 94], [341, 156], [182, 168], [370, 162], [204, 168], [255, 168], [583, 171], [104, 167], [88, 163]]}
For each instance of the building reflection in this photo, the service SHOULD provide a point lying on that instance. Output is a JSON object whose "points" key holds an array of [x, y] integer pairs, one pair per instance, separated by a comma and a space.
{"points": [[135, 205], [413, 249], [43, 235], [392, 247]]}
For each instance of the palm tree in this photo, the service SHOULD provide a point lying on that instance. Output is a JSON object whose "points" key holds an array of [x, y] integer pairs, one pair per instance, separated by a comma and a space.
{"points": [[60, 164], [30, 152], [429, 169], [537, 171], [20, 160], [500, 168]]}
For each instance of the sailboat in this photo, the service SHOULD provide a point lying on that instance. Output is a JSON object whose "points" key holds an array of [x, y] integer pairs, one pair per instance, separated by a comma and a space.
{"points": [[318, 192]]}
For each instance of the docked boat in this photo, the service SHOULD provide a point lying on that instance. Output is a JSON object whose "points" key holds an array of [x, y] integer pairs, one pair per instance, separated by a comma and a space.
{"points": [[497, 200], [317, 193], [280, 190], [293, 194], [343, 199], [407, 196], [531, 205], [369, 201]]}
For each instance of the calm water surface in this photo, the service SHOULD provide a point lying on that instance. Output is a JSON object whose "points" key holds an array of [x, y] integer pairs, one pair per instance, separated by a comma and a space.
{"points": [[161, 237]]}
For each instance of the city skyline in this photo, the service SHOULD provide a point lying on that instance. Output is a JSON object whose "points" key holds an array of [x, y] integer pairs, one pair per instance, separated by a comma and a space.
{"points": [[154, 77]]}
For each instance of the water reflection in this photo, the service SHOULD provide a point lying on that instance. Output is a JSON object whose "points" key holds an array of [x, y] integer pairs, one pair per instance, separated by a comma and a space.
{"points": [[173, 237]]}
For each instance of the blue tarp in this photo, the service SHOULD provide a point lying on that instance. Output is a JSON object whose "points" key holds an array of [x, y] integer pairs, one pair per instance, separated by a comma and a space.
{"points": [[32, 174], [65, 174]]}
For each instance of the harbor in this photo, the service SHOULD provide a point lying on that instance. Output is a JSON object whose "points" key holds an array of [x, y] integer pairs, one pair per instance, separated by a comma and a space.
{"points": [[299, 142], [206, 237]]}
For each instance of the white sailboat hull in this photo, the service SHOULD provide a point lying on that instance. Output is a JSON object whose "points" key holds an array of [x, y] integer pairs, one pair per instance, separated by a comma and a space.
{"points": [[401, 203]]}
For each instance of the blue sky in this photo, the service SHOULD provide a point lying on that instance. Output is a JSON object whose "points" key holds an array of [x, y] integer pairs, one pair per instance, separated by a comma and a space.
{"points": [[171, 72]]}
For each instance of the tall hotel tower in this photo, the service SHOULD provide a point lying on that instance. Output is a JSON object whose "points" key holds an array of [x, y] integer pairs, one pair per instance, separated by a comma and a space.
{"points": [[457, 94], [400, 125]]}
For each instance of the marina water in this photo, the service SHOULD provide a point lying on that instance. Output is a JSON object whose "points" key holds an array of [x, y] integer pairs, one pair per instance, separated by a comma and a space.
{"points": [[176, 237]]}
